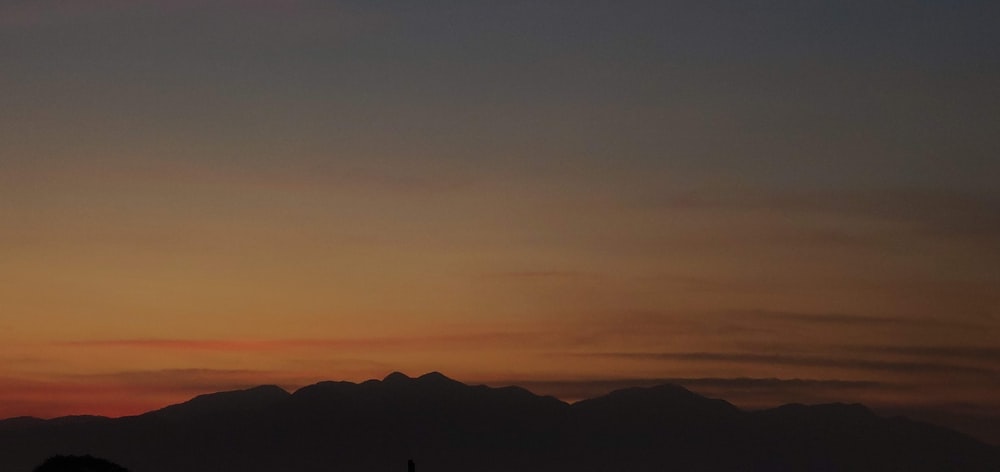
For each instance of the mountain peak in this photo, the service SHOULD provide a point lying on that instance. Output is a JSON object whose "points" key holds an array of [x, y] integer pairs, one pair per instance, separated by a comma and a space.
{"points": [[396, 377], [436, 377], [430, 379], [660, 401]]}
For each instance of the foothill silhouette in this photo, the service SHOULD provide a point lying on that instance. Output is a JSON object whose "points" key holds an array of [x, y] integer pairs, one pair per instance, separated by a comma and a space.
{"points": [[86, 463]]}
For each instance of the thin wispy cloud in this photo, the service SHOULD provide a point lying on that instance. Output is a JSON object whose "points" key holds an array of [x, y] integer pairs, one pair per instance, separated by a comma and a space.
{"points": [[920, 211], [543, 274], [607, 385], [835, 318], [852, 320], [970, 353], [251, 345], [905, 367]]}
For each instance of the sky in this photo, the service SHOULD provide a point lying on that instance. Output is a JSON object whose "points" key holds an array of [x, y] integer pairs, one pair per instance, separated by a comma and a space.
{"points": [[764, 201]]}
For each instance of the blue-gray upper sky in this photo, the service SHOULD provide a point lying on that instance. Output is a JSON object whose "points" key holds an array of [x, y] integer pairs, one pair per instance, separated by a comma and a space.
{"points": [[796, 93]]}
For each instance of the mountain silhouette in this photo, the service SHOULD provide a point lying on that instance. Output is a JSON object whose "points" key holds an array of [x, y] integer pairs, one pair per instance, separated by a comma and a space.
{"points": [[224, 403], [448, 426]]}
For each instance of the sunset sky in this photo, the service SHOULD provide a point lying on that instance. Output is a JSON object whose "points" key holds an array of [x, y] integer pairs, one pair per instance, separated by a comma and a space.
{"points": [[765, 201]]}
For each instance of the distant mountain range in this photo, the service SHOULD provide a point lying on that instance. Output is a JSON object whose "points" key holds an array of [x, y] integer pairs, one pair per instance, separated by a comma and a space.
{"points": [[447, 426]]}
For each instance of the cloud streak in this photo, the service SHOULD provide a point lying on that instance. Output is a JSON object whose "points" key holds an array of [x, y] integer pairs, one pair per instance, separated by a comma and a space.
{"points": [[904, 367], [543, 274], [265, 345], [835, 318], [856, 320], [971, 353], [589, 388], [926, 212]]}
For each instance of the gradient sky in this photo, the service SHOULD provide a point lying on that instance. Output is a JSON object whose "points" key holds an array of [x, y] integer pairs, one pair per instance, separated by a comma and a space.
{"points": [[765, 201]]}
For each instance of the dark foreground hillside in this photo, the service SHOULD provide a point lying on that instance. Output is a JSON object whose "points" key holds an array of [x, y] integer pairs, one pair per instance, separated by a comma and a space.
{"points": [[78, 464], [448, 426]]}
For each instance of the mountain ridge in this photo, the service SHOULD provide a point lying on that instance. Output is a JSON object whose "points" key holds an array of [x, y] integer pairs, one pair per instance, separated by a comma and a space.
{"points": [[452, 426]]}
